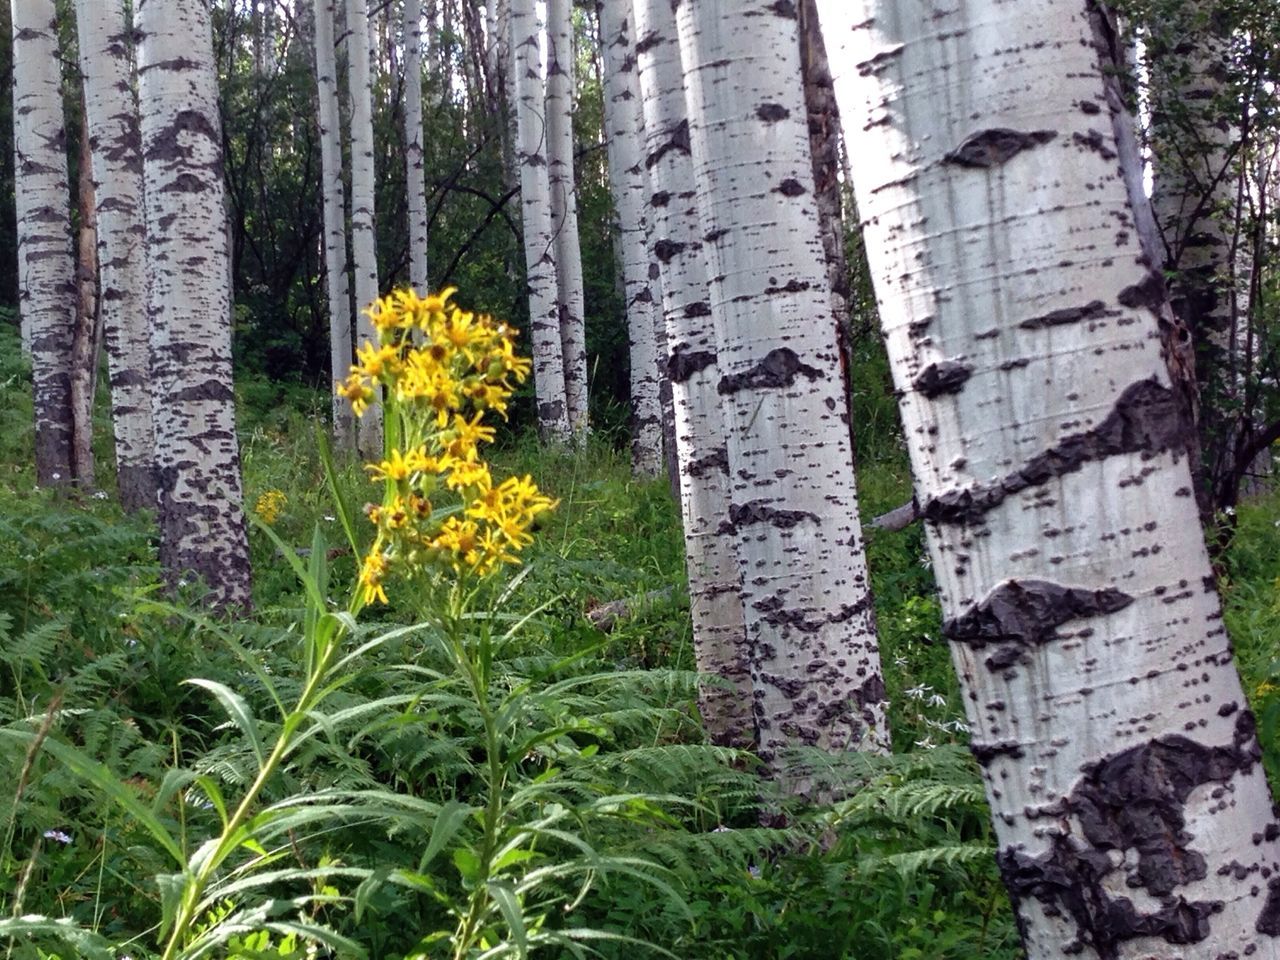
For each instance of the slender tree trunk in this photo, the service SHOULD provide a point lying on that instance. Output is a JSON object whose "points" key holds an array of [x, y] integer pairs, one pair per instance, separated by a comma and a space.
{"points": [[46, 267], [715, 583], [539, 242], [333, 191], [1197, 170], [202, 525], [1020, 310], [116, 146], [364, 237], [624, 129], [564, 210], [415, 157], [84, 356], [824, 145], [793, 503]]}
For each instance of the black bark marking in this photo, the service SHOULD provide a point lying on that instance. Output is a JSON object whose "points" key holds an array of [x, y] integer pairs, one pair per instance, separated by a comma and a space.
{"points": [[791, 187], [947, 376], [772, 112], [684, 363], [777, 370], [1093, 140], [785, 9], [699, 309], [1149, 292], [1269, 919], [648, 42], [1147, 418], [717, 461], [757, 511], [1057, 318], [991, 148], [678, 141], [1019, 615], [1134, 800], [775, 612], [667, 250], [985, 753]]}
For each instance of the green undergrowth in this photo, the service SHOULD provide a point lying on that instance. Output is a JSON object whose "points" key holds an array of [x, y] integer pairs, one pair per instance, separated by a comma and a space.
{"points": [[664, 829]]}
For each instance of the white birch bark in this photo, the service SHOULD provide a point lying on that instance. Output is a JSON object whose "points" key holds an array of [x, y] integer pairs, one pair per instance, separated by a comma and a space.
{"points": [[535, 203], [46, 266], [1020, 310], [715, 582], [116, 145], [364, 239], [564, 210], [624, 131], [793, 504], [414, 138], [333, 193], [202, 526]]}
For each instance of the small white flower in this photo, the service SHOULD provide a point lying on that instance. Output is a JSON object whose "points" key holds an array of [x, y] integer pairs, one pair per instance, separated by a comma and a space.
{"points": [[959, 726], [329, 518], [937, 700], [918, 693], [925, 744], [182, 583], [100, 495], [754, 871], [57, 476], [57, 835], [901, 661]]}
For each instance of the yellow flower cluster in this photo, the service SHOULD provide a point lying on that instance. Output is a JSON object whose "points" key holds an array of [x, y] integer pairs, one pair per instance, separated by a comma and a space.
{"points": [[270, 505], [441, 371]]}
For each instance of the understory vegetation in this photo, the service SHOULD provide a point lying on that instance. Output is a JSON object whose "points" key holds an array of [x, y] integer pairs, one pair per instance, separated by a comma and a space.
{"points": [[521, 770]]}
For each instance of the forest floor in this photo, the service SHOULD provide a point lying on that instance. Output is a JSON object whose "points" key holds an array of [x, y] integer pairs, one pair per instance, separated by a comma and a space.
{"points": [[897, 864]]}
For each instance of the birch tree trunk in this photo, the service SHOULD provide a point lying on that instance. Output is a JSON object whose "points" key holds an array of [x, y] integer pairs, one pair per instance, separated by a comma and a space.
{"points": [[1020, 310], [46, 267], [564, 210], [535, 203], [202, 526], [333, 191], [715, 582], [1197, 170], [364, 238], [116, 145], [824, 146], [415, 156], [84, 342], [793, 503], [624, 130]]}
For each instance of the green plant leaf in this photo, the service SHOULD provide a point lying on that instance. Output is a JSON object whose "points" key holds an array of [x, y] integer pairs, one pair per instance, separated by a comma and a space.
{"points": [[341, 506], [504, 895], [239, 712], [87, 944]]}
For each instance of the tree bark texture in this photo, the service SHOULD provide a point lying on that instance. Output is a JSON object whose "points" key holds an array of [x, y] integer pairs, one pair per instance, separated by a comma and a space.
{"points": [[84, 342], [115, 142], [364, 238], [333, 193], [414, 138], [715, 583], [1021, 314], [46, 266], [202, 524], [1197, 169], [564, 210], [535, 204], [824, 145], [628, 182], [793, 507]]}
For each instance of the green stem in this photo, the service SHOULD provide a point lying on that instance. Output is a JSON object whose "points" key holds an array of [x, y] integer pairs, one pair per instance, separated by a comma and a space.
{"points": [[197, 884]]}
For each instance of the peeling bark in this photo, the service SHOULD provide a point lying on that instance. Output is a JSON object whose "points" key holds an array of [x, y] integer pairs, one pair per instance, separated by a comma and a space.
{"points": [[202, 524], [1130, 808], [794, 515]]}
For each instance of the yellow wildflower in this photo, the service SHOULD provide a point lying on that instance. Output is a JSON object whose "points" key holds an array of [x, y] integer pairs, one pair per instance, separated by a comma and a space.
{"points": [[371, 576], [270, 505]]}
